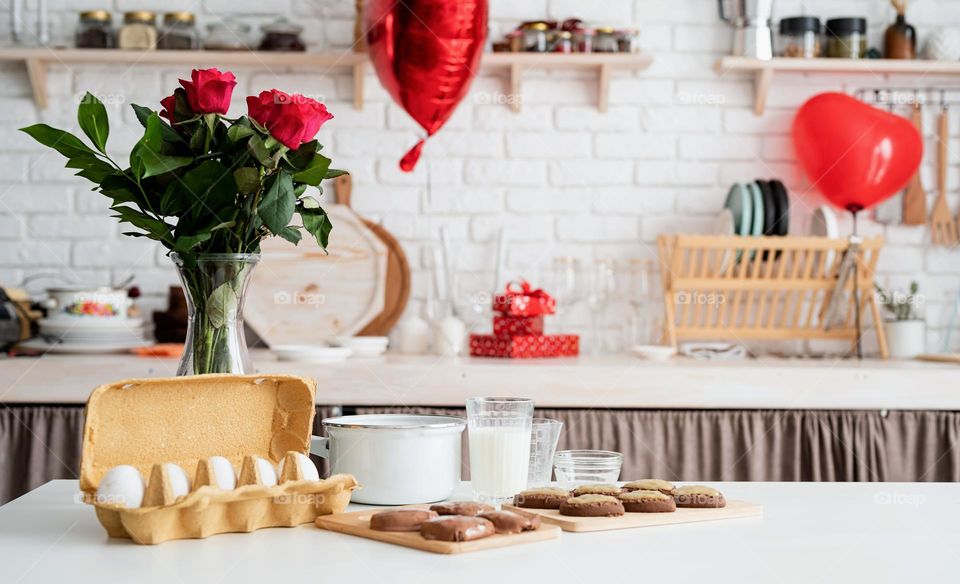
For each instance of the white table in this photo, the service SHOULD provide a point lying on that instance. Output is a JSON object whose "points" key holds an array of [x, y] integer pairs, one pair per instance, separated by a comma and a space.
{"points": [[810, 532]]}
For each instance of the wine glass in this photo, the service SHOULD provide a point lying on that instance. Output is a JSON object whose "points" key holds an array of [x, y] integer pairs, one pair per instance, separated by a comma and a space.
{"points": [[565, 285], [603, 284]]}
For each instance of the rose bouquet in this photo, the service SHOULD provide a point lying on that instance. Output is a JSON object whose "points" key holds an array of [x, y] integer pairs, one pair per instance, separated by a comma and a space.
{"points": [[209, 188]]}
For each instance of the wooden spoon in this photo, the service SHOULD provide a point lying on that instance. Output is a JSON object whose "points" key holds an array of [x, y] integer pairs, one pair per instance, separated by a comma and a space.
{"points": [[915, 199], [943, 229]]}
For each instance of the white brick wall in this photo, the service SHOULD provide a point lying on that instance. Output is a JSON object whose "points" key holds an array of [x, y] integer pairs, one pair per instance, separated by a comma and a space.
{"points": [[563, 178]]}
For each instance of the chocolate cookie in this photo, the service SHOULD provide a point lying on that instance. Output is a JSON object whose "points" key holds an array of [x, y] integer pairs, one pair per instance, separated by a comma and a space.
{"points": [[665, 487], [592, 506], [467, 508], [647, 502], [512, 521], [401, 519], [545, 498], [609, 490], [457, 528], [699, 496]]}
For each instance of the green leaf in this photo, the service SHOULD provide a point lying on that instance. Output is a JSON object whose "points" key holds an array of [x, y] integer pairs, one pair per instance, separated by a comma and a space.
{"points": [[291, 234], [63, 142], [278, 203], [315, 221], [185, 244], [92, 117], [334, 173], [315, 172], [247, 179], [210, 186], [221, 305], [150, 151], [300, 158], [238, 132], [143, 114], [91, 168], [158, 230], [259, 151]]}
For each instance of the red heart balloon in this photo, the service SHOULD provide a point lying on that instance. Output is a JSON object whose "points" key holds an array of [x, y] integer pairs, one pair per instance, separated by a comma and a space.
{"points": [[855, 154], [426, 53]]}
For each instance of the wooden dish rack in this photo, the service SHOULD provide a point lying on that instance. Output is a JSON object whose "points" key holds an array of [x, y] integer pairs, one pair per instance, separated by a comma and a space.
{"points": [[763, 288]]}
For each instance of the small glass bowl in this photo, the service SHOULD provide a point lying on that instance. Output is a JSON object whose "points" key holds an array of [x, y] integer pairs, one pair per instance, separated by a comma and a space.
{"points": [[578, 467]]}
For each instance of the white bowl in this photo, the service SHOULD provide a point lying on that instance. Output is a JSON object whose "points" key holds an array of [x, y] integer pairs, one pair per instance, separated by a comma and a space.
{"points": [[309, 353], [364, 342], [654, 352]]}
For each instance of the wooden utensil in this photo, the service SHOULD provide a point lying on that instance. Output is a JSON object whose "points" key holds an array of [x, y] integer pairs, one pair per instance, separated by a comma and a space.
{"points": [[358, 523], [915, 199], [943, 229], [733, 510], [398, 269]]}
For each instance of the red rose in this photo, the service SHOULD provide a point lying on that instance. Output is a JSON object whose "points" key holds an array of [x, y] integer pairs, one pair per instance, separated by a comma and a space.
{"points": [[169, 105], [290, 119], [209, 91]]}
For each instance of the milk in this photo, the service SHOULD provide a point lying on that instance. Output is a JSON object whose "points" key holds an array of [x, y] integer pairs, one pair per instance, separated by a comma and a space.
{"points": [[499, 460]]}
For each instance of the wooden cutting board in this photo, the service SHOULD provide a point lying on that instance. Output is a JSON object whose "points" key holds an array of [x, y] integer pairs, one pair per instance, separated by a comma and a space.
{"points": [[358, 524], [733, 510], [300, 295]]}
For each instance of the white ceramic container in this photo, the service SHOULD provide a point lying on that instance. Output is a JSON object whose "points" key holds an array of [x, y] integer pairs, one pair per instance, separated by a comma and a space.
{"points": [[398, 459], [79, 302], [906, 338]]}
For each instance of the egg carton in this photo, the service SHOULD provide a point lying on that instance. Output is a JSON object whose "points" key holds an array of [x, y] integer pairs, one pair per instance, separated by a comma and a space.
{"points": [[153, 424]]}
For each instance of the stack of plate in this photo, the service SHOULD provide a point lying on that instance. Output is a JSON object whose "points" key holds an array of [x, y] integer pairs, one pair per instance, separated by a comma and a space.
{"points": [[758, 208], [364, 346], [89, 335]]}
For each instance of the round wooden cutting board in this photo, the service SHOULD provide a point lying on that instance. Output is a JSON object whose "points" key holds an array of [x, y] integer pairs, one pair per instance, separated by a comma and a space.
{"points": [[299, 295]]}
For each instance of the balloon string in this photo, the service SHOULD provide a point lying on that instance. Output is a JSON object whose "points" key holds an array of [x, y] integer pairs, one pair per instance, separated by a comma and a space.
{"points": [[856, 294]]}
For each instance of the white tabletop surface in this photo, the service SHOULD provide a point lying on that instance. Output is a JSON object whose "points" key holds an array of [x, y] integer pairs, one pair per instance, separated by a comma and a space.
{"points": [[585, 382], [810, 532]]}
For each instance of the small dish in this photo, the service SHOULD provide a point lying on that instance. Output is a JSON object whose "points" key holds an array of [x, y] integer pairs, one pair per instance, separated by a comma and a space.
{"points": [[824, 224], [577, 467], [364, 346], [311, 354], [740, 204], [654, 352]]}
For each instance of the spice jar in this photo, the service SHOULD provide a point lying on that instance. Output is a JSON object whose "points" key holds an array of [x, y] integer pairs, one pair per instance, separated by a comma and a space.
{"points": [[282, 35], [563, 42], [514, 39], [139, 31], [799, 37], [95, 30], [179, 32], [227, 35], [628, 40], [535, 37], [605, 41], [847, 38], [583, 40]]}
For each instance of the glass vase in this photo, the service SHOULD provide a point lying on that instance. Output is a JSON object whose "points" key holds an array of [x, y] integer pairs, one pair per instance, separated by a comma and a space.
{"points": [[215, 288]]}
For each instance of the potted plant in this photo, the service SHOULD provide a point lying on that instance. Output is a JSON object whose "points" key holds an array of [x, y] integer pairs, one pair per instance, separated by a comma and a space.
{"points": [[209, 188], [906, 331]]}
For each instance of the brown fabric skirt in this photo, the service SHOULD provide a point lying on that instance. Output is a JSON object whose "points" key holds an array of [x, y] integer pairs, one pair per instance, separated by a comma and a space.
{"points": [[42, 443]]}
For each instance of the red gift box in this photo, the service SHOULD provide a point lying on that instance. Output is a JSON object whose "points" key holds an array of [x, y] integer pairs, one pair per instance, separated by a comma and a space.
{"points": [[517, 326], [521, 300], [525, 347]]}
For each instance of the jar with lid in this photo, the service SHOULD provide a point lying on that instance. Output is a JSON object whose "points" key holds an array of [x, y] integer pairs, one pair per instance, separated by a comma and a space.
{"points": [[563, 42], [282, 35], [179, 32], [583, 40], [535, 37], [847, 38], [95, 30], [227, 35], [628, 40], [139, 31], [799, 37], [605, 41]]}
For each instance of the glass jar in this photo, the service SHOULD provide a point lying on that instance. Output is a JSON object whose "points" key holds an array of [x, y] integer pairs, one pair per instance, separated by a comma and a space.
{"points": [[605, 41], [564, 42], [847, 38], [535, 37], [282, 35], [799, 37], [583, 40], [139, 31], [515, 41], [628, 40], [179, 32], [227, 35], [95, 30]]}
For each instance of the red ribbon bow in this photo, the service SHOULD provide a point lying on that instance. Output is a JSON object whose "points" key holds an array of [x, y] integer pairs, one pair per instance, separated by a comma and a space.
{"points": [[521, 299]]}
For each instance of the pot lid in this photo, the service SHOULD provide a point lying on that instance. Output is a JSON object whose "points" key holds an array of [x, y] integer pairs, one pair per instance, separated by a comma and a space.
{"points": [[395, 422]]}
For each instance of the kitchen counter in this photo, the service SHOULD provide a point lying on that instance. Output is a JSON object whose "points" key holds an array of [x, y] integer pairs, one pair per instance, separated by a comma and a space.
{"points": [[823, 532], [610, 382]]}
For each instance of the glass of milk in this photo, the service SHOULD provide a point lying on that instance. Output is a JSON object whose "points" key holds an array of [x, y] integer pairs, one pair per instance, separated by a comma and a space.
{"points": [[499, 434]]}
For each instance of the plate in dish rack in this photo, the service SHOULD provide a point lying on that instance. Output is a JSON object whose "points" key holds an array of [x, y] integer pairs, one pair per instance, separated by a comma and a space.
{"points": [[300, 295]]}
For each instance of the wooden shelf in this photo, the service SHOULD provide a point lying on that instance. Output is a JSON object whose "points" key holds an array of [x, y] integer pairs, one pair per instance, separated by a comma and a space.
{"points": [[38, 59], [763, 71], [603, 63]]}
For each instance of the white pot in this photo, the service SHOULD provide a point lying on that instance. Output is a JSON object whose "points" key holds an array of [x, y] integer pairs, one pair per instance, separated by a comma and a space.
{"points": [[906, 338], [398, 459], [79, 302]]}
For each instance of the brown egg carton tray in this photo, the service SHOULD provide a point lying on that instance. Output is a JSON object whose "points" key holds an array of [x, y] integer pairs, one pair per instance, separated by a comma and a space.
{"points": [[186, 420]]}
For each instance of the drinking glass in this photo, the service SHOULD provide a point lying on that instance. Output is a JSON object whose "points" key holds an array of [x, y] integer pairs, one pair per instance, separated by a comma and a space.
{"points": [[564, 285], [499, 434], [543, 444], [603, 285]]}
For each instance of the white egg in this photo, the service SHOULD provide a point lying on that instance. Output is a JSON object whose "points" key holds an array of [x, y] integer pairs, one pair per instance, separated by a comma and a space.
{"points": [[224, 476], [122, 485], [307, 468], [268, 474], [179, 481]]}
